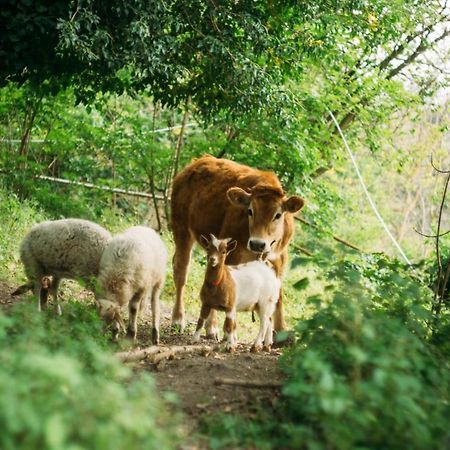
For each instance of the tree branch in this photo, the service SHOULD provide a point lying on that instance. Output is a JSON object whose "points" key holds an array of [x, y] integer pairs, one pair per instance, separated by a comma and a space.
{"points": [[338, 239], [423, 45]]}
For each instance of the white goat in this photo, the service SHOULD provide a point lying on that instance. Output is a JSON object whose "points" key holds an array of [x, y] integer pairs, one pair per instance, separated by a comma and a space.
{"points": [[245, 287], [132, 267], [67, 248]]}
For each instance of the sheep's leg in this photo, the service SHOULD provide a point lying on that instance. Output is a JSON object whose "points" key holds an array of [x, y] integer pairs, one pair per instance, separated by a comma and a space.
{"points": [[41, 292], [155, 313], [181, 260], [229, 330], [54, 286], [212, 329], [34, 273], [204, 313], [133, 309]]}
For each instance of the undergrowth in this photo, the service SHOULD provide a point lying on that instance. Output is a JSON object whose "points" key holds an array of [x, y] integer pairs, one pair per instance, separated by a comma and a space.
{"points": [[369, 369], [62, 389]]}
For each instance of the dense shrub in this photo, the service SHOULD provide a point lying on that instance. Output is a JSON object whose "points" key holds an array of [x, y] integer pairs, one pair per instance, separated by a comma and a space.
{"points": [[61, 388], [359, 378], [369, 369], [16, 218]]}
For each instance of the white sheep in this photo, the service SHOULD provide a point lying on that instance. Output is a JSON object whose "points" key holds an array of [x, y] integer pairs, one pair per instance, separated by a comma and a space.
{"points": [[67, 248], [245, 287], [132, 267]]}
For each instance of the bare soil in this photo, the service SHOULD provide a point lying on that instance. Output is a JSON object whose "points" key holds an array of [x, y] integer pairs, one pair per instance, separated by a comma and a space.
{"points": [[191, 377]]}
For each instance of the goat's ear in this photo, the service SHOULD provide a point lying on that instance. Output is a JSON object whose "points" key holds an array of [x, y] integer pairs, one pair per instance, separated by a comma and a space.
{"points": [[214, 241], [231, 246], [293, 204], [238, 197], [204, 241]]}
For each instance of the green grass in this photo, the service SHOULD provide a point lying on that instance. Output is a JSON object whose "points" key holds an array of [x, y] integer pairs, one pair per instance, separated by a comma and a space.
{"points": [[16, 218], [19, 216]]}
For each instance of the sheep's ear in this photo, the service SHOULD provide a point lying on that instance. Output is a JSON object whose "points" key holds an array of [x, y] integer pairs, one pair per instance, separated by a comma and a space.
{"points": [[119, 320], [107, 309], [204, 241], [103, 307], [238, 197], [231, 246]]}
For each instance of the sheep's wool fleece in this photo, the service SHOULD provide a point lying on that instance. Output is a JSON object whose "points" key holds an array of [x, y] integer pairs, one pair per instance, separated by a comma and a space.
{"points": [[68, 248], [137, 256]]}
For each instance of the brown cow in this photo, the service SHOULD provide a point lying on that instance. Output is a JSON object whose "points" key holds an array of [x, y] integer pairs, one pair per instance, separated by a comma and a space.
{"points": [[227, 199]]}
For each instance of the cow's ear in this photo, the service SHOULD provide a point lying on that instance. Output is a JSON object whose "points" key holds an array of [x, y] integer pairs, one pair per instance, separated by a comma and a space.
{"points": [[238, 197], [204, 241], [293, 204]]}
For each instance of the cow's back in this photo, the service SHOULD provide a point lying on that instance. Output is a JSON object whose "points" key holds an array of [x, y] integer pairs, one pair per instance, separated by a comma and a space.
{"points": [[199, 200]]}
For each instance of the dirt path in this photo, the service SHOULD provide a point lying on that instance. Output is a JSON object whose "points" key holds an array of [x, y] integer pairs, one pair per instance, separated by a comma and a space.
{"points": [[192, 377]]}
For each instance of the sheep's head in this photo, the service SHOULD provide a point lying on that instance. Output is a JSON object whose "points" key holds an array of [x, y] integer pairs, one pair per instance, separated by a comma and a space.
{"points": [[110, 313], [217, 249]]}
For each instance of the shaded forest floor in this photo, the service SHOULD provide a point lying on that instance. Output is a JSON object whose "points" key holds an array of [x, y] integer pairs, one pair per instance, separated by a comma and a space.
{"points": [[191, 377]]}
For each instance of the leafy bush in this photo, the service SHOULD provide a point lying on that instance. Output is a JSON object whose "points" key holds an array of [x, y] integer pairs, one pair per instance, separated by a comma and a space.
{"points": [[369, 369], [16, 217], [360, 378], [61, 388]]}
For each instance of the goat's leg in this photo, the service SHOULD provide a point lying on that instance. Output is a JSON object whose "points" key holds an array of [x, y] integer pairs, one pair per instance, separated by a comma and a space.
{"points": [[257, 345], [181, 260], [265, 325], [204, 313], [229, 328], [212, 329], [268, 338], [133, 310], [155, 313]]}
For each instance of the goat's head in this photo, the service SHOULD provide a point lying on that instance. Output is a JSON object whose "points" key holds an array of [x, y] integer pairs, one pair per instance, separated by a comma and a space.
{"points": [[217, 249]]}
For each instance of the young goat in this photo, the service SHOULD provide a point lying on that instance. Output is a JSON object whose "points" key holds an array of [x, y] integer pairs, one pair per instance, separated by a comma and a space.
{"points": [[246, 287]]}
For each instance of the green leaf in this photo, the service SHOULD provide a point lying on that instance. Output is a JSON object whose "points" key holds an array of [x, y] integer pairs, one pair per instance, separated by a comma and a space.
{"points": [[301, 284]]}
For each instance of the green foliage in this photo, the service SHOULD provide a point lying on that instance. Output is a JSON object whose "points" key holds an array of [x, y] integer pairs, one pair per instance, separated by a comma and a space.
{"points": [[369, 368], [226, 57], [16, 218], [61, 388]]}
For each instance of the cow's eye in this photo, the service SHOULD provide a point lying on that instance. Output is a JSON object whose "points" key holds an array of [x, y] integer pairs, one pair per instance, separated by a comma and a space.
{"points": [[277, 216], [250, 212]]}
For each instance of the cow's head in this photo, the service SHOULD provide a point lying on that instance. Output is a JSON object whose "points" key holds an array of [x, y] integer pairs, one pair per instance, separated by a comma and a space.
{"points": [[266, 207]]}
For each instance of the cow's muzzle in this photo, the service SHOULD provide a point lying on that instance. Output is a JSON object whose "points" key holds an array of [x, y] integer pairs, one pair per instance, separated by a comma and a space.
{"points": [[258, 246]]}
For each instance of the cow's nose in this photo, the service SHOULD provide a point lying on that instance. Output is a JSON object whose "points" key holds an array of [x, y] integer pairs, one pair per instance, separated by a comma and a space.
{"points": [[257, 246]]}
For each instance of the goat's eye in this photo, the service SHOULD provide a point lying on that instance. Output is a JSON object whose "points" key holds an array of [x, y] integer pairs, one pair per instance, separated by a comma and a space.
{"points": [[277, 216], [224, 252], [250, 212]]}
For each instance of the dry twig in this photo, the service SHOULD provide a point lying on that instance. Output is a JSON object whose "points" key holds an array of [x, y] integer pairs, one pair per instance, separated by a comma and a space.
{"points": [[248, 383], [157, 353]]}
